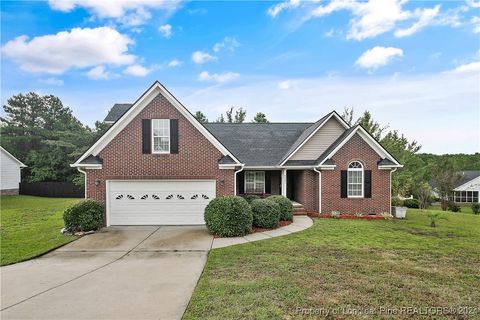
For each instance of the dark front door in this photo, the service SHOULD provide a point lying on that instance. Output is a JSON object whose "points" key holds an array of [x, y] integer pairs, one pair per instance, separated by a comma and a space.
{"points": [[291, 185]]}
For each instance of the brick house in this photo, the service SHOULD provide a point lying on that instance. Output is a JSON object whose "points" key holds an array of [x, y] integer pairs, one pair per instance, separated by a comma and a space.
{"points": [[157, 164]]}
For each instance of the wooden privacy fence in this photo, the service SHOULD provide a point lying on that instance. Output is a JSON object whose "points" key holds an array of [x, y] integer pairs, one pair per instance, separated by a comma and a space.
{"points": [[52, 189]]}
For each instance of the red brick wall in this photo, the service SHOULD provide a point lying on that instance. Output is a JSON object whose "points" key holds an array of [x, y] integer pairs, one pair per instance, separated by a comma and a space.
{"points": [[307, 189], [356, 149], [123, 158]]}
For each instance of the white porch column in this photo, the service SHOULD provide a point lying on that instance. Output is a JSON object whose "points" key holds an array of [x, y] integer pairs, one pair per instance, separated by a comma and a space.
{"points": [[284, 182]]}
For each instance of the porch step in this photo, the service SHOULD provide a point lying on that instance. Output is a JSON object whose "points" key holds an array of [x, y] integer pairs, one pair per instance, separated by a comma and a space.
{"points": [[298, 209]]}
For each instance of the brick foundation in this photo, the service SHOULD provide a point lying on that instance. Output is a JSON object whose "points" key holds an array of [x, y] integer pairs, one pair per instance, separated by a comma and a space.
{"points": [[9, 192]]}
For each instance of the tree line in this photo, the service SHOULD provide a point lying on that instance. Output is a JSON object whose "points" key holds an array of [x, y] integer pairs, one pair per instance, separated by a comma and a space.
{"points": [[44, 134]]}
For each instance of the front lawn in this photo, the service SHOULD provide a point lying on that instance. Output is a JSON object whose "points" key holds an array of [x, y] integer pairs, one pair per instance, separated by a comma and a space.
{"points": [[346, 263], [30, 226]]}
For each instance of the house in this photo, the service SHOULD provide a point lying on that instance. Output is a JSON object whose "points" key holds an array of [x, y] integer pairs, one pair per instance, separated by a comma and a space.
{"points": [[10, 173], [157, 164], [468, 187]]}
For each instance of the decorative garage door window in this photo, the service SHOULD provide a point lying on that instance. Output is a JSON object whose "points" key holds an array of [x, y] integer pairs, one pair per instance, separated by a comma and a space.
{"points": [[178, 196]]}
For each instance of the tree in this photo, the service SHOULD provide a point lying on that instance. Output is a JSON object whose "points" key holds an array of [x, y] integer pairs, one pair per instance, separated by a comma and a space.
{"points": [[201, 117], [445, 178], [347, 115], [260, 117], [220, 119], [372, 126], [423, 193], [238, 117]]}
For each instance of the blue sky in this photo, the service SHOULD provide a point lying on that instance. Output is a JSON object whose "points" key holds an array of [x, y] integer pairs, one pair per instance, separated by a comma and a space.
{"points": [[415, 65]]}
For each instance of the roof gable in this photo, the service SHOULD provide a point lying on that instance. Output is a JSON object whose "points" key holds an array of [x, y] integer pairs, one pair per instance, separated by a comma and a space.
{"points": [[8, 154], [144, 100]]}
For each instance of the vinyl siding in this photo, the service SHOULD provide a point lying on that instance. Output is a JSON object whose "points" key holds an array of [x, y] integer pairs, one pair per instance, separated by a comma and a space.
{"points": [[320, 141], [10, 172]]}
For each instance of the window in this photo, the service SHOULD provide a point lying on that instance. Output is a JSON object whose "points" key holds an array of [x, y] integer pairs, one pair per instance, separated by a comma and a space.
{"points": [[160, 136], [355, 180], [466, 196], [254, 181]]}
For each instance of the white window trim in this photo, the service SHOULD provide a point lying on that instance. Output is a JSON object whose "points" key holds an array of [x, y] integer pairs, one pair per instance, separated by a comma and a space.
{"points": [[153, 138], [362, 183], [254, 181]]}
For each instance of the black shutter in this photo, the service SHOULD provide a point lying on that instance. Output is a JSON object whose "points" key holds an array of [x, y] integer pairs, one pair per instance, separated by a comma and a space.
{"points": [[241, 182], [146, 136], [343, 184], [268, 182], [367, 185], [173, 136]]}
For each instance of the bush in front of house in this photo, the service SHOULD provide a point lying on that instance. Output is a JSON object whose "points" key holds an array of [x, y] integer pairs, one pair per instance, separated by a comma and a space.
{"points": [[86, 215], [476, 208], [228, 216], [452, 206], [251, 197], [266, 213], [411, 203], [397, 202], [286, 207]]}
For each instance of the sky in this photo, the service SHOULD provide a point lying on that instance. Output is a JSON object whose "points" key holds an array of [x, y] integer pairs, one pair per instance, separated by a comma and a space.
{"points": [[415, 65]]}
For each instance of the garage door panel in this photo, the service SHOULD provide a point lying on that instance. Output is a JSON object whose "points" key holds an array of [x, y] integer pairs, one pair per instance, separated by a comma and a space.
{"points": [[159, 202]]}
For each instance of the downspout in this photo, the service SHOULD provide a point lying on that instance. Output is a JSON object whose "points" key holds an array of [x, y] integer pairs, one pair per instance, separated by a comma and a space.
{"points": [[235, 179], [391, 171], [319, 189], [85, 174]]}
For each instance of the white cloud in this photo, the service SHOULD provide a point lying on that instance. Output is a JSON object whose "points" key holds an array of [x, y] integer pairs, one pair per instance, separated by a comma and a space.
{"points": [[78, 48], [228, 43], [218, 77], [472, 67], [286, 84], [128, 12], [275, 10], [426, 18], [52, 81], [137, 70], [175, 63], [476, 24], [419, 106], [200, 57], [98, 73], [378, 57], [166, 30]]}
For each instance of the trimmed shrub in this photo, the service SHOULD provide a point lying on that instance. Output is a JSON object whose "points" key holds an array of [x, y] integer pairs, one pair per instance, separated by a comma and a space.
{"points": [[266, 213], [251, 197], [411, 203], [286, 207], [396, 202], [86, 215], [476, 208], [228, 216], [454, 207]]}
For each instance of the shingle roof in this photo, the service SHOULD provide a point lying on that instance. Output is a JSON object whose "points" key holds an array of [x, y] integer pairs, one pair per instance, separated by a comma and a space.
{"points": [[91, 159], [257, 144], [117, 111], [467, 176], [385, 162]]}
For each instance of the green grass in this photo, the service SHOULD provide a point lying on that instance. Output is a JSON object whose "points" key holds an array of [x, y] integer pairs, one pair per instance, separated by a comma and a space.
{"points": [[339, 263], [30, 226], [466, 208]]}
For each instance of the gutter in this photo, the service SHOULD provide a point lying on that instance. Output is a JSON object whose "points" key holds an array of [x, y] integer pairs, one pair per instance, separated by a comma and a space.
{"points": [[85, 174], [391, 171], [319, 189], [235, 179]]}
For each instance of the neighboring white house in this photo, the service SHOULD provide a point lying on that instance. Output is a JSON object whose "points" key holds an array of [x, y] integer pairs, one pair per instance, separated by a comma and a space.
{"points": [[9, 173], [469, 187]]}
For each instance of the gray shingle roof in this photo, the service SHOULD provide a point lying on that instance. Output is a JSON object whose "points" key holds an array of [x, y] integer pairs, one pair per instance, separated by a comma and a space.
{"points": [[385, 162], [91, 159], [257, 144], [117, 111], [467, 176]]}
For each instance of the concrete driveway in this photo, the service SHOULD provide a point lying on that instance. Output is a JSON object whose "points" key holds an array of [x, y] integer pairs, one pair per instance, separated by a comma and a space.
{"points": [[146, 272]]}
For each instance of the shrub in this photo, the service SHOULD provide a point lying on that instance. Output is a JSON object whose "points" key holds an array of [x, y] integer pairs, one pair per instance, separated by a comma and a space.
{"points": [[86, 215], [411, 203], [266, 213], [250, 197], [335, 214], [228, 216], [476, 208], [454, 207], [396, 202], [286, 207]]}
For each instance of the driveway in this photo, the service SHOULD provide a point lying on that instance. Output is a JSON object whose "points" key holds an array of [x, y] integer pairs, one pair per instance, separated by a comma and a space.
{"points": [[146, 272]]}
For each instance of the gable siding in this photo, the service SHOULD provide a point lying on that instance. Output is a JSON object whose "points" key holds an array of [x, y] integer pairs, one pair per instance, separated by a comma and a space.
{"points": [[10, 172], [123, 158], [320, 141]]}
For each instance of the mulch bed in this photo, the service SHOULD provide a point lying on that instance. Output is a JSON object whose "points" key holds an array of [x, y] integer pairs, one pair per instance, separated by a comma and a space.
{"points": [[345, 216], [281, 223]]}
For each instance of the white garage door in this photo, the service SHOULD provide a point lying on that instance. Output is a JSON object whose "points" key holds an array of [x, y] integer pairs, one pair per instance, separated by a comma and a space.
{"points": [[172, 202]]}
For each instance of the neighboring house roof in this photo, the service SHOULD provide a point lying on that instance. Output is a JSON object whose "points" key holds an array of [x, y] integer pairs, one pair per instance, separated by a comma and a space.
{"points": [[258, 144], [117, 111], [20, 164], [467, 178]]}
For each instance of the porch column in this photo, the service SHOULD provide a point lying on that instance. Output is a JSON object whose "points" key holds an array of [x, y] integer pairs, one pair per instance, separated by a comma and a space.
{"points": [[284, 182]]}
